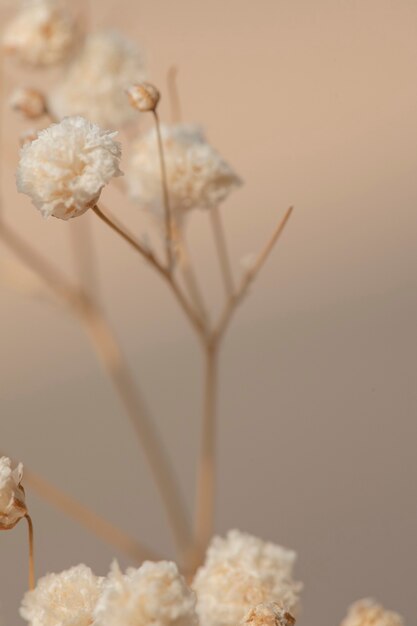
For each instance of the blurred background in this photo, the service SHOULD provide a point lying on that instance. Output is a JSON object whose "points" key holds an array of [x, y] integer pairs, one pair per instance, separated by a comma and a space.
{"points": [[314, 104]]}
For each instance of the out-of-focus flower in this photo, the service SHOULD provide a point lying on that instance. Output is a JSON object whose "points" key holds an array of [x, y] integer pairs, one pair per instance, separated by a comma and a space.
{"points": [[12, 496], [143, 97], [27, 136], [64, 170], [270, 614], [96, 81], [153, 594], [29, 102], [240, 572], [67, 599], [368, 613], [42, 33], [198, 177]]}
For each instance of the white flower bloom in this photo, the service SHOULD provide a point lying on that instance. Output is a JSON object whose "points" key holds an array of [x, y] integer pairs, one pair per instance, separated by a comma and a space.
{"points": [[42, 33], [240, 572], [270, 614], [12, 495], [198, 177], [153, 594], [368, 613], [96, 81], [66, 167], [65, 599]]}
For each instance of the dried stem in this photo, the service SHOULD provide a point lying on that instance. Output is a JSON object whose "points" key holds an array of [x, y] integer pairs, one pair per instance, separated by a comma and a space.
{"points": [[163, 271], [222, 251], [249, 277], [87, 518], [84, 256], [174, 99], [190, 278], [165, 194], [111, 357], [31, 553]]}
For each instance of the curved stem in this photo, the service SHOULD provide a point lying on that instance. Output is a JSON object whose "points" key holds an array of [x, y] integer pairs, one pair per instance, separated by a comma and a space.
{"points": [[31, 553]]}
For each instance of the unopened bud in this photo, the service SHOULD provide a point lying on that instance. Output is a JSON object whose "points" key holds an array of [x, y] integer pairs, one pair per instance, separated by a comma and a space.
{"points": [[12, 496], [268, 614], [29, 102], [144, 97]]}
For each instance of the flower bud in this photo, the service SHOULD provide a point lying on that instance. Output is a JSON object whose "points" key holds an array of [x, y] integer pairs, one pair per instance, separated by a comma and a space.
{"points": [[12, 495], [29, 102], [268, 614], [143, 97]]}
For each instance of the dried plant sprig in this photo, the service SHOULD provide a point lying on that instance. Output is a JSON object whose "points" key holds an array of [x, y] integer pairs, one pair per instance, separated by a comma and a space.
{"points": [[222, 251], [115, 366]]}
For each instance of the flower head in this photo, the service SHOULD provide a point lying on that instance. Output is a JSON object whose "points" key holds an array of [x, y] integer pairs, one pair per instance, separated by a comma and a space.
{"points": [[12, 495], [198, 177], [368, 613], [66, 167], [95, 82], [153, 594], [240, 572], [270, 614], [42, 33], [143, 97], [67, 599]]}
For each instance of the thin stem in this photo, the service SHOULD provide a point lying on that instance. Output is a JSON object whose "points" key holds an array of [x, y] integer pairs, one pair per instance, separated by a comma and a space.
{"points": [[84, 256], [164, 272], [87, 518], [31, 553], [190, 278], [165, 194], [222, 251], [249, 277], [206, 476], [174, 99], [111, 357]]}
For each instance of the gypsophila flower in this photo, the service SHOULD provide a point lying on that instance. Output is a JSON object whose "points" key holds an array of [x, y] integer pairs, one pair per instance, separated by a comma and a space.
{"points": [[270, 614], [153, 594], [368, 613], [12, 496], [65, 599], [64, 170], [42, 33], [197, 175], [240, 572], [29, 102], [96, 81], [143, 97]]}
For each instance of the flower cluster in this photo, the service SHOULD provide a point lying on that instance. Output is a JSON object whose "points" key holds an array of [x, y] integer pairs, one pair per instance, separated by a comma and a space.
{"points": [[12, 496], [197, 176], [65, 168], [42, 33], [368, 613]]}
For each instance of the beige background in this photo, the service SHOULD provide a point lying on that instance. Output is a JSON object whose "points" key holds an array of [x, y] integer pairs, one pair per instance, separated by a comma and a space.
{"points": [[314, 103]]}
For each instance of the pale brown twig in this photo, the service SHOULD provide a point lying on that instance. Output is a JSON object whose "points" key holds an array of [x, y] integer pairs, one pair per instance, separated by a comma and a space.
{"points": [[174, 99], [222, 251], [31, 552], [165, 194], [190, 278]]}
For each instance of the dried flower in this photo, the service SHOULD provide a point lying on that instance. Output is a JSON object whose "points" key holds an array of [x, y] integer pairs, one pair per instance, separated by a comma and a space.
{"points": [[12, 495], [143, 97], [66, 167], [29, 102], [368, 613], [240, 572], [97, 79], [153, 594], [42, 33], [27, 136], [270, 614], [67, 599], [197, 175]]}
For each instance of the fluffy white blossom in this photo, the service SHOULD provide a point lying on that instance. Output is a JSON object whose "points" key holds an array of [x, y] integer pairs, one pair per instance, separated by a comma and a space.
{"points": [[66, 167], [65, 599], [153, 594], [240, 572], [12, 495], [368, 613], [269, 614], [198, 177], [42, 33], [95, 82]]}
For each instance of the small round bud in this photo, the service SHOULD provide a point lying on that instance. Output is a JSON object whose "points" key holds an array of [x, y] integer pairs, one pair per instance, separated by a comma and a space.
{"points": [[29, 102], [143, 97], [12, 495]]}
